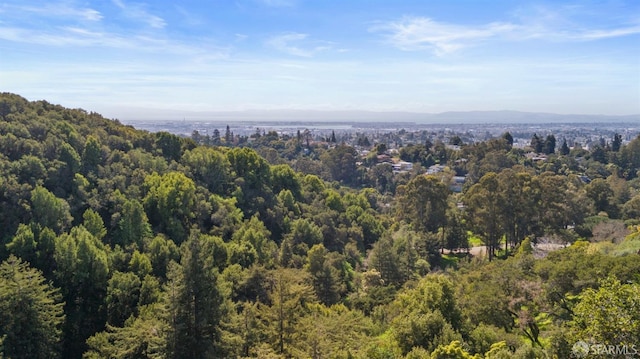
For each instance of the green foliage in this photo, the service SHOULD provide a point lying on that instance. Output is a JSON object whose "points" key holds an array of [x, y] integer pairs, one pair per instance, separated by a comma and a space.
{"points": [[170, 203], [288, 201], [434, 292], [609, 315], [133, 226], [426, 315], [305, 231], [334, 201], [285, 178], [418, 154], [23, 244], [308, 268], [324, 276], [123, 291], [453, 350], [210, 167], [334, 332], [226, 216], [149, 291], [94, 224], [483, 204], [194, 303], [255, 235], [631, 209], [454, 232], [161, 252], [143, 336], [630, 245], [372, 227], [426, 330], [483, 336], [82, 272], [49, 211], [31, 313], [383, 347], [31, 169], [169, 145], [601, 194], [499, 351], [289, 296], [69, 165], [386, 260], [92, 155], [341, 162], [423, 203], [140, 264], [484, 301], [253, 176]]}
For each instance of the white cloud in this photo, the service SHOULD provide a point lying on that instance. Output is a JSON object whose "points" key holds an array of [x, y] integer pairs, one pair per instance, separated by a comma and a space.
{"points": [[137, 11], [418, 33], [86, 14], [75, 36], [290, 43], [60, 25], [68, 36], [57, 10], [422, 33], [572, 23], [603, 34]]}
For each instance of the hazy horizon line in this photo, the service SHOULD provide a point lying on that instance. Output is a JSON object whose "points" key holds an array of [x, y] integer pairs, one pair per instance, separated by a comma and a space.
{"points": [[305, 115]]}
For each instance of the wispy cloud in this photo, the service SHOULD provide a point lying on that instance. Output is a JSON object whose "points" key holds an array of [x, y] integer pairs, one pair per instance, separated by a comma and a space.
{"points": [[65, 36], [419, 33], [63, 25], [137, 11], [423, 33], [292, 44], [57, 10], [75, 36], [603, 34], [571, 23]]}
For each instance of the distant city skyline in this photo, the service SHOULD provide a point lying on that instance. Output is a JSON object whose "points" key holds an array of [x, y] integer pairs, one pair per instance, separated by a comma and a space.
{"points": [[127, 59]]}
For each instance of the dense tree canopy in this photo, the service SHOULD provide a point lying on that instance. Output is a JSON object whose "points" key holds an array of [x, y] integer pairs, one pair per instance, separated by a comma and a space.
{"points": [[31, 314], [120, 243]]}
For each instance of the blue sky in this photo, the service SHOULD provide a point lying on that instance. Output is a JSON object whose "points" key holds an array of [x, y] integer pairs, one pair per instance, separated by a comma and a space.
{"points": [[121, 57]]}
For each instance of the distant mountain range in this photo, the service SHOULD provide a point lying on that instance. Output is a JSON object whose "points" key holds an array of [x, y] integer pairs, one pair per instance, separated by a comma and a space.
{"points": [[527, 117], [372, 116]]}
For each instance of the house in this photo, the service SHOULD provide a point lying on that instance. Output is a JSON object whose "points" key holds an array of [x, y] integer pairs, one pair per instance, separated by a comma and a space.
{"points": [[457, 182], [435, 169], [384, 158], [402, 166], [536, 157]]}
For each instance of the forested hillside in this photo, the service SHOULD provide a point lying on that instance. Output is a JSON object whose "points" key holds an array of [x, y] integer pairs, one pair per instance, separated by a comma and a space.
{"points": [[120, 243]]}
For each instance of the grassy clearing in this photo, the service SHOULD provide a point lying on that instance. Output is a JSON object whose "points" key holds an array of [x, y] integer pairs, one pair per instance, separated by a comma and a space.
{"points": [[630, 245], [451, 260], [474, 241]]}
